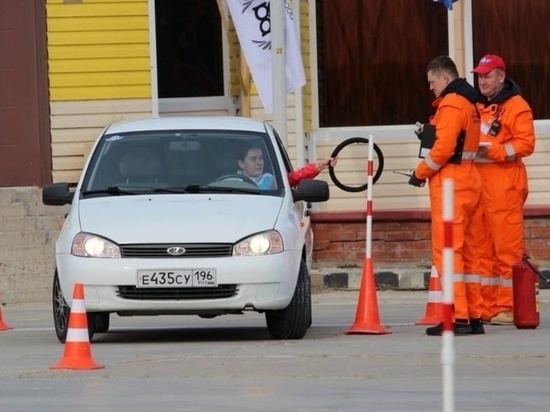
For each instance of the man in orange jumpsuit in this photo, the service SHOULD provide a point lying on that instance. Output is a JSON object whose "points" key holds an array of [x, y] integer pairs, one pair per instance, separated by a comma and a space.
{"points": [[507, 135], [455, 115]]}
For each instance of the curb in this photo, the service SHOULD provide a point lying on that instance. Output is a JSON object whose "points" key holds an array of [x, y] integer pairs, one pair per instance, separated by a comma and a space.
{"points": [[398, 279], [350, 278]]}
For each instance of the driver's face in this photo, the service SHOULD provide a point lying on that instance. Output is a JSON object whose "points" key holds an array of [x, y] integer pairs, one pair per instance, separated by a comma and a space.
{"points": [[253, 163]]}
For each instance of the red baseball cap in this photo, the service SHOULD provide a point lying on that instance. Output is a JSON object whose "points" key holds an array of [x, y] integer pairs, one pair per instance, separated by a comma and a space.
{"points": [[488, 63]]}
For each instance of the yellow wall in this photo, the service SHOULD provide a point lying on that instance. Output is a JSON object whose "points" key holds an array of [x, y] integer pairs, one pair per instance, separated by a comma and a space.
{"points": [[98, 49]]}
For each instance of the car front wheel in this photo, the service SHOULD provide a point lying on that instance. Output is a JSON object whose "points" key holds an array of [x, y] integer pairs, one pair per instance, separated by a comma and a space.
{"points": [[62, 311], [293, 321]]}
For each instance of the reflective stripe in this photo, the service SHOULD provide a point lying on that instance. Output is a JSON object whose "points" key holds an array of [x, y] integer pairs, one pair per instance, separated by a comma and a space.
{"points": [[459, 277], [505, 282], [484, 160], [471, 278], [77, 335], [468, 155], [431, 164], [510, 152], [486, 281], [496, 281]]}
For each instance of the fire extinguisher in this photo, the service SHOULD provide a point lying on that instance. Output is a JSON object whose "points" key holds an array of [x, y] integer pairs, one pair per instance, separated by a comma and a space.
{"points": [[525, 287]]}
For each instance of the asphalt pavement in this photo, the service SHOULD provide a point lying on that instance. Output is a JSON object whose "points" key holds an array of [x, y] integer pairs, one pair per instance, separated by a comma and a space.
{"points": [[229, 363]]}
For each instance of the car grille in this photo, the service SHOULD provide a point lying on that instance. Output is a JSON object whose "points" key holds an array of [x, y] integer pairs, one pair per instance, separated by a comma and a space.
{"points": [[219, 292], [195, 250]]}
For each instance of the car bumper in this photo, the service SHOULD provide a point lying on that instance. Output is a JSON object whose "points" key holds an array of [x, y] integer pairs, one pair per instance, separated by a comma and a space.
{"points": [[260, 283]]}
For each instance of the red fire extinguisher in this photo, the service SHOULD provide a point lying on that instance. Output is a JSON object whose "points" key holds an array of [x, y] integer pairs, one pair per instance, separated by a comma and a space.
{"points": [[526, 294], [525, 287]]}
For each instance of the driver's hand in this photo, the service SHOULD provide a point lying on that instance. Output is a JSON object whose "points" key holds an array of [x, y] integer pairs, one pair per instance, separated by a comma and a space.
{"points": [[323, 164]]}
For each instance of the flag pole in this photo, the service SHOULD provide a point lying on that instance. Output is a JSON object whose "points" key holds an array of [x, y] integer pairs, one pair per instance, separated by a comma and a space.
{"points": [[278, 52]]}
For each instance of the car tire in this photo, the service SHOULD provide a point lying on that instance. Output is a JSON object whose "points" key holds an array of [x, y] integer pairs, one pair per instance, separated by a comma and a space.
{"points": [[62, 311], [293, 321], [100, 321]]}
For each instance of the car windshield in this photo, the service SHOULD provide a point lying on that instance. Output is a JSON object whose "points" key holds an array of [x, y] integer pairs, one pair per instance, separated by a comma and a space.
{"points": [[186, 162]]}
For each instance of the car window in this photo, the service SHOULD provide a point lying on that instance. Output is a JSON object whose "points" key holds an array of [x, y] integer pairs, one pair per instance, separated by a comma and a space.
{"points": [[143, 162]]}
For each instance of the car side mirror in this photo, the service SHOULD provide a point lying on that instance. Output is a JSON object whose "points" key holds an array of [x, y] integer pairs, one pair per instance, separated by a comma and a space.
{"points": [[311, 190], [57, 194]]}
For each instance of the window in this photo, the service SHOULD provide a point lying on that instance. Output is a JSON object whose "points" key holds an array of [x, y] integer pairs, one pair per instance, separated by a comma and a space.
{"points": [[189, 48], [518, 31], [372, 57]]}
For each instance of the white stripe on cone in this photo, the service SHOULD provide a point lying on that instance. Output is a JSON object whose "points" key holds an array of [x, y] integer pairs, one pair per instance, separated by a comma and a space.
{"points": [[78, 306], [435, 296], [77, 335]]}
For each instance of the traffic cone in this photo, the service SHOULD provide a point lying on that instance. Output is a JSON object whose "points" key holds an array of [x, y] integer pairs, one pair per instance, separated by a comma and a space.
{"points": [[3, 325], [434, 307], [367, 318], [77, 353]]}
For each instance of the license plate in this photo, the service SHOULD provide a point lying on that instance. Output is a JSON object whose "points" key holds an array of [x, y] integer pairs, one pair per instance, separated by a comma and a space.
{"points": [[179, 278]]}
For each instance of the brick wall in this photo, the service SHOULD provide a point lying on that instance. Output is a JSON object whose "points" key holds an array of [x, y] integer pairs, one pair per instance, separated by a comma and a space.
{"points": [[402, 238]]}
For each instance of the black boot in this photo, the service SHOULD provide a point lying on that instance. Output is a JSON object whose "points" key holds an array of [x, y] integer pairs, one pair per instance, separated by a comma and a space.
{"points": [[460, 327], [477, 326], [435, 330]]}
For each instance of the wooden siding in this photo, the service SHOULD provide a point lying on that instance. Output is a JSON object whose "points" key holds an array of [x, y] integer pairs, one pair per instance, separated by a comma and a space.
{"points": [[98, 49], [76, 125]]}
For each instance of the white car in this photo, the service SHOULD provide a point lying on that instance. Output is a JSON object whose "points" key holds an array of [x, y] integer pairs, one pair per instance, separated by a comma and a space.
{"points": [[163, 222]]}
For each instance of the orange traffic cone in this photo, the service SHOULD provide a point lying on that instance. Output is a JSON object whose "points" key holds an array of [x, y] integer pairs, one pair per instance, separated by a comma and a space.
{"points": [[3, 325], [434, 307], [77, 353], [367, 319]]}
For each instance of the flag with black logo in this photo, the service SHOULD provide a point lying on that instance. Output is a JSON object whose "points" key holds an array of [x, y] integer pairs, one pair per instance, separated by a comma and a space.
{"points": [[253, 24]]}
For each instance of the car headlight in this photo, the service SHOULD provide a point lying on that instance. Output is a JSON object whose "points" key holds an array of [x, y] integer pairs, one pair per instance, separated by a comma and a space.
{"points": [[88, 245], [265, 243]]}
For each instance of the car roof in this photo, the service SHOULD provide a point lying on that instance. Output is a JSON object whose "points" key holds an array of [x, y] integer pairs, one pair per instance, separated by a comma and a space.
{"points": [[187, 123]]}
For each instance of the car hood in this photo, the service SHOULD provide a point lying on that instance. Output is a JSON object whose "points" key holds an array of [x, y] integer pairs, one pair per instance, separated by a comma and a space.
{"points": [[178, 218]]}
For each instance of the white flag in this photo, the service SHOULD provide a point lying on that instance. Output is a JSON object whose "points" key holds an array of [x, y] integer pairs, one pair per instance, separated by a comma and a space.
{"points": [[253, 24]]}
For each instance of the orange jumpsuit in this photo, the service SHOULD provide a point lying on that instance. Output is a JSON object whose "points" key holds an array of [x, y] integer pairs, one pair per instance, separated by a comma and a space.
{"points": [[456, 111], [505, 189]]}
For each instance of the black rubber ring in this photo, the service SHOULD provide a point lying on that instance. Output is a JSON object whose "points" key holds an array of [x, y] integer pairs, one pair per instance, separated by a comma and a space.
{"points": [[377, 174]]}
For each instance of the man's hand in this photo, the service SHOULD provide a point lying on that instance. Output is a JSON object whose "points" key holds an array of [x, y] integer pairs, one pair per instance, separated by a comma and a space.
{"points": [[419, 129], [415, 181]]}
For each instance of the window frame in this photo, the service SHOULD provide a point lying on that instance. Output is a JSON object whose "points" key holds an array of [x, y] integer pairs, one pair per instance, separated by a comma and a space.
{"points": [[166, 106]]}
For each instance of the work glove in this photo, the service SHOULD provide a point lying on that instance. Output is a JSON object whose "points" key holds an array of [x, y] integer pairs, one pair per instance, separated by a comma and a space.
{"points": [[415, 181]]}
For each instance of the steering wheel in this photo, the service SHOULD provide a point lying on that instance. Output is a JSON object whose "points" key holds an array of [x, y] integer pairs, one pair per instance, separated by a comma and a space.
{"points": [[236, 176]]}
